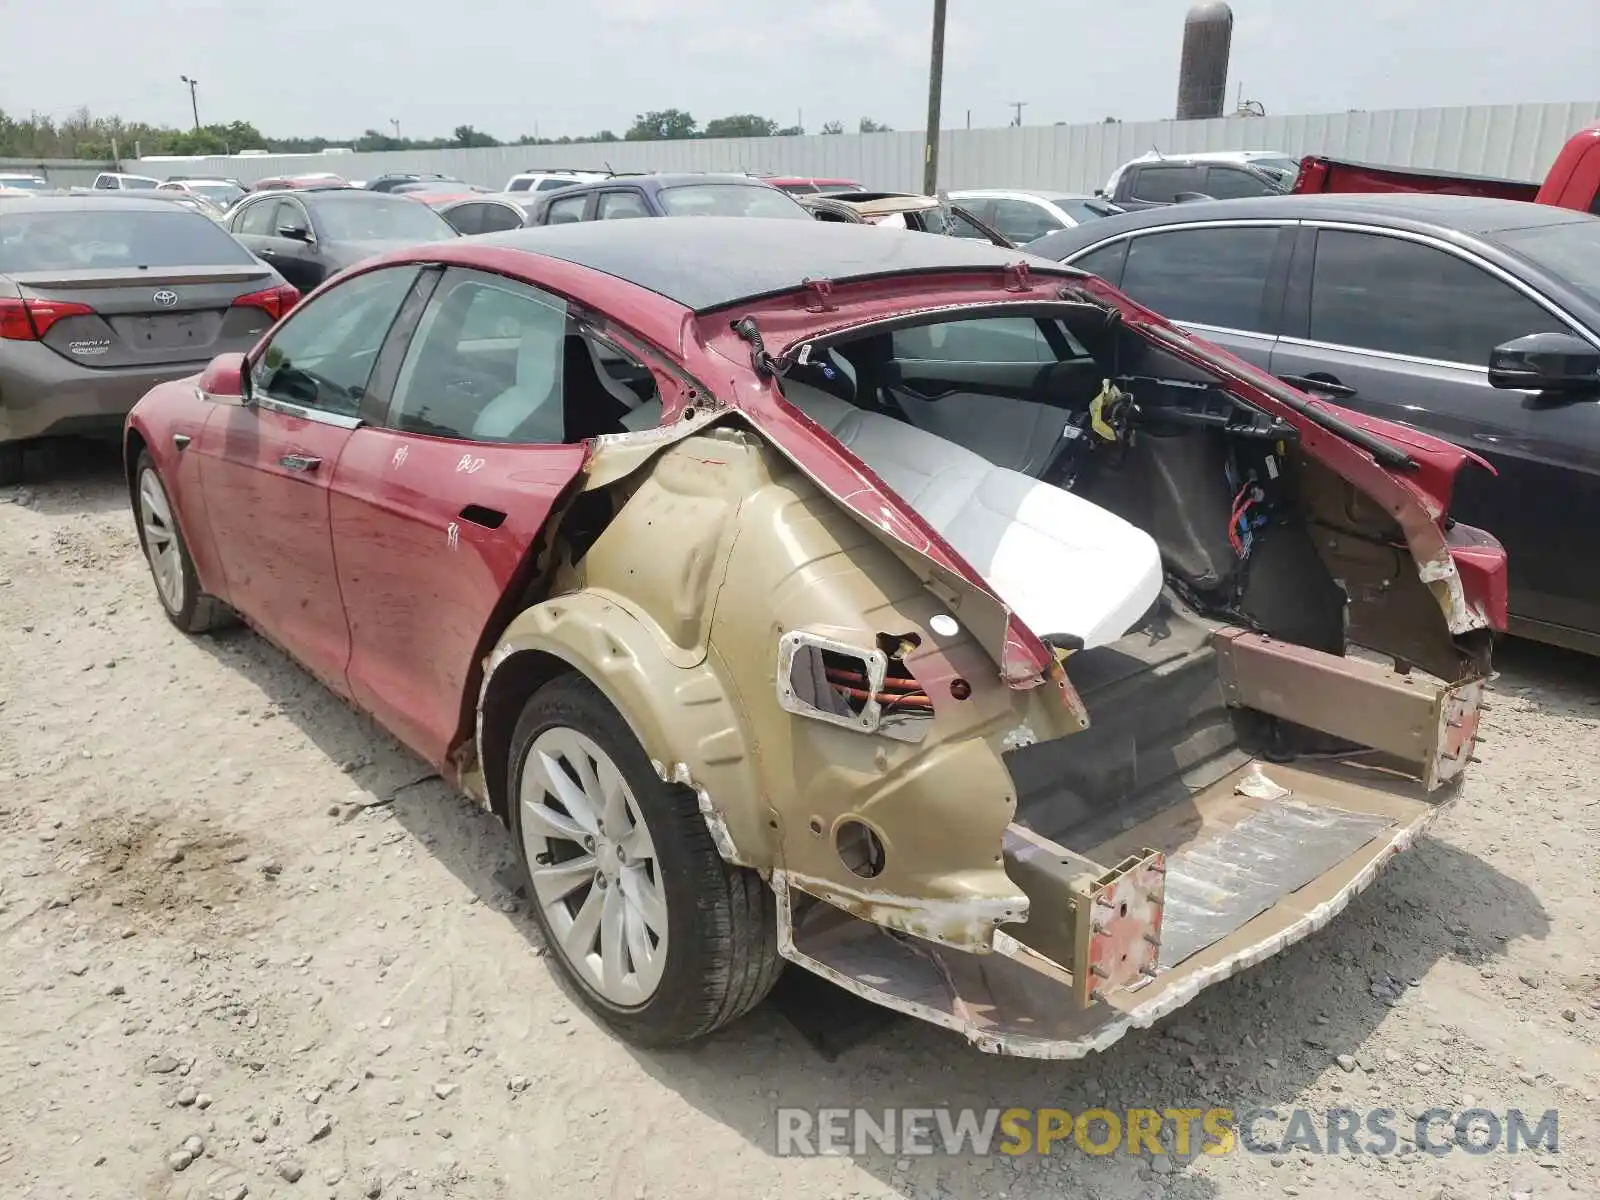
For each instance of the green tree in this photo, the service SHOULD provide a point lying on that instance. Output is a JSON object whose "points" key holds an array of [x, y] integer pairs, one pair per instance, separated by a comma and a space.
{"points": [[833, 127], [868, 125], [744, 125], [468, 137], [664, 125]]}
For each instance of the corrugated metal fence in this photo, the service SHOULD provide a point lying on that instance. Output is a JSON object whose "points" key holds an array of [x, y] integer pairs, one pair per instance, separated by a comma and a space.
{"points": [[1511, 140], [59, 172]]}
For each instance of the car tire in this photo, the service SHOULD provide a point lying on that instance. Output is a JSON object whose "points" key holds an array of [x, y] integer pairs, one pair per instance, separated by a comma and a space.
{"points": [[167, 554], [719, 957], [12, 461]]}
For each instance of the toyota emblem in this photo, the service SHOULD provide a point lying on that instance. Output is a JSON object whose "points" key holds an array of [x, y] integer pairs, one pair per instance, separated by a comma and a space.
{"points": [[166, 297]]}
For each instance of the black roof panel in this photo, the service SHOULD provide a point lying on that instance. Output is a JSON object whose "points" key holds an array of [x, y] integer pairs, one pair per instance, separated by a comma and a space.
{"points": [[706, 263]]}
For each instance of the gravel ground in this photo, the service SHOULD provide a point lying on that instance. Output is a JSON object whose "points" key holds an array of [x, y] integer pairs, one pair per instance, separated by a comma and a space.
{"points": [[252, 947]]}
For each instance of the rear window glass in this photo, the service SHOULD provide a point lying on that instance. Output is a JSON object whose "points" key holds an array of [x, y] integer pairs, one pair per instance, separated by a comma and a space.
{"points": [[95, 240], [729, 200]]}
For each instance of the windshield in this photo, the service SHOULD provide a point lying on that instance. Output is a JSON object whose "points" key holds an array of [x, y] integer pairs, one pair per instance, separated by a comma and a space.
{"points": [[730, 200], [1570, 252], [374, 217], [218, 193], [1282, 170], [102, 239], [132, 183]]}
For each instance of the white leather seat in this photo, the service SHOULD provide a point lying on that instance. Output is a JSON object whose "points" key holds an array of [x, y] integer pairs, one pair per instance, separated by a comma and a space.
{"points": [[533, 404], [1062, 564]]}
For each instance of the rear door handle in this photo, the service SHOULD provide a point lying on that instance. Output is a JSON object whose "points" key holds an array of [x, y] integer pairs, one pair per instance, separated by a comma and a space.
{"points": [[1328, 387], [300, 462]]}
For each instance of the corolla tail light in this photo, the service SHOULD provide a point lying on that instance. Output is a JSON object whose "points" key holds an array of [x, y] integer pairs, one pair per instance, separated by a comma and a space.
{"points": [[275, 301], [29, 320]]}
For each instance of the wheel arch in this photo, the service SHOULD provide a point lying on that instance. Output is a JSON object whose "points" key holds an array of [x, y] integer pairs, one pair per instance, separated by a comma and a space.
{"points": [[686, 718]]}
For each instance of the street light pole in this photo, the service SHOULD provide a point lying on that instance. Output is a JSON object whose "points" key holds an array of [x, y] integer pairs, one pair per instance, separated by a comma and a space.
{"points": [[396, 125], [930, 162], [194, 105]]}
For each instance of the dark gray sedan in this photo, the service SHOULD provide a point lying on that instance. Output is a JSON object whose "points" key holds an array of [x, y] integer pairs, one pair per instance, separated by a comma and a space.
{"points": [[309, 234], [1477, 320], [102, 298]]}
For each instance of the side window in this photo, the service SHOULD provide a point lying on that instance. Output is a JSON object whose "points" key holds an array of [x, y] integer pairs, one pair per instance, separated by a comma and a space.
{"points": [[1105, 262], [986, 339], [1212, 276], [105, 183], [487, 363], [289, 215], [1393, 295], [550, 185], [495, 217], [322, 356], [961, 226], [1021, 221], [563, 212], [466, 219], [256, 218], [621, 205], [1162, 184], [1230, 183]]}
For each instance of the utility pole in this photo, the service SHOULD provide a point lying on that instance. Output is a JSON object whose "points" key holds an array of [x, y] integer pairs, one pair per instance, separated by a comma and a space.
{"points": [[1019, 105], [396, 125], [194, 105], [930, 162]]}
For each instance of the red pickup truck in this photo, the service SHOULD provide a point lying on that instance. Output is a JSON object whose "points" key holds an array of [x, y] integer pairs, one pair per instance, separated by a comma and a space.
{"points": [[1573, 182]]}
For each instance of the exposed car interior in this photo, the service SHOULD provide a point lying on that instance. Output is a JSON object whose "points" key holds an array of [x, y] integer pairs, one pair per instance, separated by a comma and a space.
{"points": [[1124, 506]]}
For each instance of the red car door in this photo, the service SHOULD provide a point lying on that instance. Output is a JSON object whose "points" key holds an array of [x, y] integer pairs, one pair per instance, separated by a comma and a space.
{"points": [[434, 515], [266, 467]]}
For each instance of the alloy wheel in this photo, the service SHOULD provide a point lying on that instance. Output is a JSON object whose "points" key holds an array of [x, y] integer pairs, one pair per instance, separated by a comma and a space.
{"points": [[594, 867], [161, 543]]}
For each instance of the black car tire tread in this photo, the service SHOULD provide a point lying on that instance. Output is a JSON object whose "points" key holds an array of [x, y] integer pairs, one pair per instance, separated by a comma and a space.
{"points": [[722, 955]]}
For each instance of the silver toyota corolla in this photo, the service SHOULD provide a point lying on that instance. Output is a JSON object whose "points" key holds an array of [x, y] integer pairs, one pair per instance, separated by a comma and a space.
{"points": [[101, 299]]}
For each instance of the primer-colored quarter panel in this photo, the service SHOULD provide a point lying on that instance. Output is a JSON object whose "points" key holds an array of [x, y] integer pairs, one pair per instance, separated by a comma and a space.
{"points": [[683, 716]]}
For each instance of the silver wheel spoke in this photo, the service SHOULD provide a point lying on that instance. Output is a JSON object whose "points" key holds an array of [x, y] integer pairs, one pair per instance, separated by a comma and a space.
{"points": [[613, 800], [613, 939], [572, 798], [579, 940], [546, 822], [161, 541], [645, 899], [639, 947], [559, 881]]}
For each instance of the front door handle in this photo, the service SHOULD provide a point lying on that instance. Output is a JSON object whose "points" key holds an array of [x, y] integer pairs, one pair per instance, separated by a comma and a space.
{"points": [[1328, 387], [300, 462]]}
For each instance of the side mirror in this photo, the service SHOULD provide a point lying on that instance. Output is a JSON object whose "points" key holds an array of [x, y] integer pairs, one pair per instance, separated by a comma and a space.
{"points": [[295, 233], [1546, 362], [224, 378]]}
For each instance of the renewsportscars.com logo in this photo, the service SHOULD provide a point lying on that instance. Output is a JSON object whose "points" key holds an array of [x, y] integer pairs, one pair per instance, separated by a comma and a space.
{"points": [[1182, 1132]]}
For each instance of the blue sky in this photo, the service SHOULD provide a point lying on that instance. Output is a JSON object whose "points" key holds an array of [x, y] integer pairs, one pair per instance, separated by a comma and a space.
{"points": [[337, 67]]}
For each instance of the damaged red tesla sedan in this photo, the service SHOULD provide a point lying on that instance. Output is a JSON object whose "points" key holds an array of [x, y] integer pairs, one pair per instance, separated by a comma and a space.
{"points": [[908, 609]]}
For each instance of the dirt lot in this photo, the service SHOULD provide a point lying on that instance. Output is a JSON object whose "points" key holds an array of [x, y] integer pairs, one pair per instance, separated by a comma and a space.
{"points": [[233, 911]]}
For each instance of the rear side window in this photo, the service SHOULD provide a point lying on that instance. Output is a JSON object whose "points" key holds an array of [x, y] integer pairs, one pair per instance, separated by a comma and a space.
{"points": [[519, 185], [1210, 276], [496, 217], [563, 212], [105, 240], [618, 206], [1105, 262], [256, 219], [486, 363], [465, 218], [1162, 184], [1401, 297], [550, 185]]}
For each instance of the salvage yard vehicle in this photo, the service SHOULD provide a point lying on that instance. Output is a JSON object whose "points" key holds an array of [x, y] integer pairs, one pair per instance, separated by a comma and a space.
{"points": [[688, 195], [1475, 319], [313, 233], [491, 213], [104, 296], [623, 529], [903, 210], [1156, 179], [1573, 180], [1024, 216]]}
